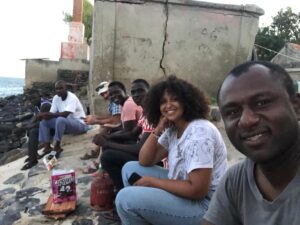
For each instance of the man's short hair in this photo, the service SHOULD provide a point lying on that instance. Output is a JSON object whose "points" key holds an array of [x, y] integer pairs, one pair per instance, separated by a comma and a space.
{"points": [[61, 82], [117, 83], [141, 81], [275, 70]]}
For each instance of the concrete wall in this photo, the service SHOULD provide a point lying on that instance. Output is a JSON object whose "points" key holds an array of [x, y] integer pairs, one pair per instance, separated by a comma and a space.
{"points": [[39, 70], [197, 41]]}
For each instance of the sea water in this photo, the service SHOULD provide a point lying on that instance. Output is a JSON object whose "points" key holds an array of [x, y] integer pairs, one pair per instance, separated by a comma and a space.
{"points": [[11, 86]]}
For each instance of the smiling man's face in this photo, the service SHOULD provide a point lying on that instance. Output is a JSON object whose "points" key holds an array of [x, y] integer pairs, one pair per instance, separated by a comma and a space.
{"points": [[259, 115], [117, 95]]}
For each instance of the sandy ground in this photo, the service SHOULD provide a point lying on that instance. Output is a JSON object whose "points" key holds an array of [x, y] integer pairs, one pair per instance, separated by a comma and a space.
{"points": [[74, 147]]}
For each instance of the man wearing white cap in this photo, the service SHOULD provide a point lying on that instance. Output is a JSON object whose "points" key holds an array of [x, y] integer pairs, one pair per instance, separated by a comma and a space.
{"points": [[113, 116]]}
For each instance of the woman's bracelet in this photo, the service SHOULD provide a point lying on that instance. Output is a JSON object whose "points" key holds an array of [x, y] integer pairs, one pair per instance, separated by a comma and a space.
{"points": [[155, 135]]}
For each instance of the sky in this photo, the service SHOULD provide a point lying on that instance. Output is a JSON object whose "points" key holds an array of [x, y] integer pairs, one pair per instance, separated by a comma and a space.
{"points": [[35, 28]]}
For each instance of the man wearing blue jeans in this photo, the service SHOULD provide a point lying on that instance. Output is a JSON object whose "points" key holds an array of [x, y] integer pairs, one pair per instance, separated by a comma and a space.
{"points": [[65, 116]]}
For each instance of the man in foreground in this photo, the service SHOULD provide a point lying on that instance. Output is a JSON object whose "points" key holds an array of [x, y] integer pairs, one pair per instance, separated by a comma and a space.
{"points": [[260, 110], [65, 116]]}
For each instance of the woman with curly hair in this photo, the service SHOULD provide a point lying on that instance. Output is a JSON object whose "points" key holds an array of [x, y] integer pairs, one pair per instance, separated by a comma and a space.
{"points": [[196, 153]]}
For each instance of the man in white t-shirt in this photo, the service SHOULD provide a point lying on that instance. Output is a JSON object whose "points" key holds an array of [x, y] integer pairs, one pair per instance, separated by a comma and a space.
{"points": [[66, 116]]}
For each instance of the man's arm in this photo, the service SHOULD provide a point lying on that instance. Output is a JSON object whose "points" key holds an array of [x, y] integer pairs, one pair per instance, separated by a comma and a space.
{"points": [[102, 120], [130, 131], [130, 148], [50, 115]]}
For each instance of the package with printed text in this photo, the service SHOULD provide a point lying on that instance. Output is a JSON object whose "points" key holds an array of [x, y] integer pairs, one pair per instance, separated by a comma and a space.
{"points": [[63, 185]]}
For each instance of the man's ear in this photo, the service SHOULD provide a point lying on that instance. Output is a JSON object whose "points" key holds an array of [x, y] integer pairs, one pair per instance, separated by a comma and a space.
{"points": [[296, 103]]}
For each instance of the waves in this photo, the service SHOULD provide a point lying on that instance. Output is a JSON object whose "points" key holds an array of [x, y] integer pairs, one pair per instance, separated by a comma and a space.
{"points": [[11, 86]]}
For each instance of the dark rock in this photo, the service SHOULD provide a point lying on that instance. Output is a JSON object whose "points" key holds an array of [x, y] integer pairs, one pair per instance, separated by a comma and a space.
{"points": [[15, 179], [104, 220], [86, 180], [13, 110], [83, 222], [6, 203], [36, 170], [4, 146], [28, 192], [23, 205], [82, 210], [7, 191], [26, 203], [9, 216], [36, 210], [86, 194], [12, 155]]}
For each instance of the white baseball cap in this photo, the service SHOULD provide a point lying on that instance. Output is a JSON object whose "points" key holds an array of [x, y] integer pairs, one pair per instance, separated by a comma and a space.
{"points": [[102, 87]]}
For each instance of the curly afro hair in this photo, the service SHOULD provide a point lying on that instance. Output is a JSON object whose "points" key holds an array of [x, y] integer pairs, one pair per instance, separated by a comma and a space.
{"points": [[194, 101]]}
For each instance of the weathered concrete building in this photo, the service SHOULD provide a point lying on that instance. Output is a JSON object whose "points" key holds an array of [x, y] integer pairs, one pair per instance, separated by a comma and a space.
{"points": [[42, 71], [289, 58], [197, 41]]}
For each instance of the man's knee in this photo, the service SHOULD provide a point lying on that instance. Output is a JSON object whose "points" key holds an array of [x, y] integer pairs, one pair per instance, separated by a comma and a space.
{"points": [[60, 120], [43, 123], [107, 157]]}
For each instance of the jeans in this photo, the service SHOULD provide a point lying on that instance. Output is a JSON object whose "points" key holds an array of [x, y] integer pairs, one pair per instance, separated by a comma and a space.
{"points": [[61, 125], [138, 205], [112, 162]]}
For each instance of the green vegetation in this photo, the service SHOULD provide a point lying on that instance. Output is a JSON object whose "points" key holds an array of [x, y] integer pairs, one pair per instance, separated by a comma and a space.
{"points": [[284, 28], [87, 19]]}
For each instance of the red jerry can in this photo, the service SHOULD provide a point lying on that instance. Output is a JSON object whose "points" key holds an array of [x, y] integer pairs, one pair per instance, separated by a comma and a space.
{"points": [[102, 192]]}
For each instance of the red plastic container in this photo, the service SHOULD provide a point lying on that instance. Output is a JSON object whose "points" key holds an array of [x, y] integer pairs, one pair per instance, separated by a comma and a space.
{"points": [[102, 192]]}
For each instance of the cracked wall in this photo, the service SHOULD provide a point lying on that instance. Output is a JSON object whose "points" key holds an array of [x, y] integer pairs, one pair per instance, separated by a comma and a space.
{"points": [[197, 41]]}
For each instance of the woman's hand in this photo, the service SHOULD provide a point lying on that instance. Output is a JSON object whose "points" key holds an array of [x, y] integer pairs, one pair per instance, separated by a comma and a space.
{"points": [[146, 181], [162, 125]]}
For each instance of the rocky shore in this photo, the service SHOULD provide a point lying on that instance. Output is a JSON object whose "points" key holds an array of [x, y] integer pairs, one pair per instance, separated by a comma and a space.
{"points": [[13, 110]]}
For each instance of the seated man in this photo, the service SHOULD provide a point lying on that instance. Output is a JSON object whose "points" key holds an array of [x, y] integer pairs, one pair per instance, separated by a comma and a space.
{"points": [[65, 116], [115, 154], [113, 117], [130, 115], [40, 105], [260, 110]]}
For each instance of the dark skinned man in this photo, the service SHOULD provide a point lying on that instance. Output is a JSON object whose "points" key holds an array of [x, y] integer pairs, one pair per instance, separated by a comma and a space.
{"points": [[260, 110], [65, 116]]}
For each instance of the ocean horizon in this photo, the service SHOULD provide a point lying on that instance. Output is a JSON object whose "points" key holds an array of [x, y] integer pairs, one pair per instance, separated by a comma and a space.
{"points": [[11, 86]]}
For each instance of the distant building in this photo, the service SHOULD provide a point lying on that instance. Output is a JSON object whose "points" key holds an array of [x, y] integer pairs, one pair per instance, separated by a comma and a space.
{"points": [[289, 58]]}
